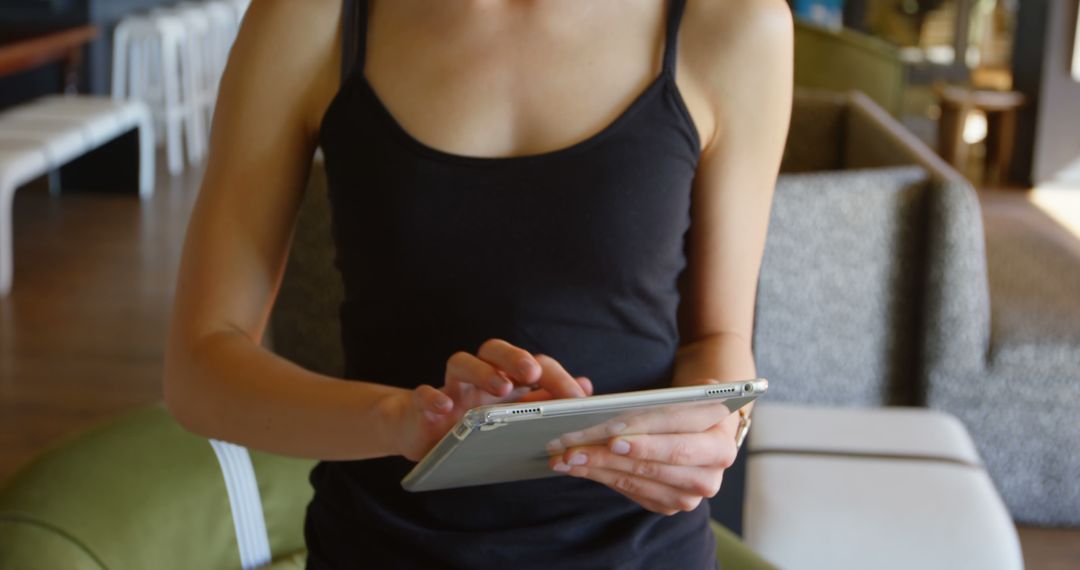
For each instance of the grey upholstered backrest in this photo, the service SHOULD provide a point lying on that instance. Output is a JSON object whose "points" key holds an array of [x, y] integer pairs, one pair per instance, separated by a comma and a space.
{"points": [[840, 294], [304, 323]]}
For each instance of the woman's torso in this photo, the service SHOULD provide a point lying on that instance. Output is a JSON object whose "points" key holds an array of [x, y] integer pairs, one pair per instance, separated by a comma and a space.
{"points": [[572, 250]]}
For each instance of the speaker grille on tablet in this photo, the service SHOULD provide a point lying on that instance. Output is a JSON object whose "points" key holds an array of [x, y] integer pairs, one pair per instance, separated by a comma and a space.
{"points": [[722, 391]]}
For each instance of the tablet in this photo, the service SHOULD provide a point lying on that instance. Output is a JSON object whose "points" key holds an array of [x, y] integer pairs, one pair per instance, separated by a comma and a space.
{"points": [[512, 442]]}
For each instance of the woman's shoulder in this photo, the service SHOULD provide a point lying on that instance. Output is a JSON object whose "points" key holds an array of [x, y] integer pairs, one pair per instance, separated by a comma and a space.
{"points": [[723, 33], [290, 50], [727, 47]]}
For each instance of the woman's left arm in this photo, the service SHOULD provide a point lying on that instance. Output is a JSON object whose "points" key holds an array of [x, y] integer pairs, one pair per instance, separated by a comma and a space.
{"points": [[749, 92]]}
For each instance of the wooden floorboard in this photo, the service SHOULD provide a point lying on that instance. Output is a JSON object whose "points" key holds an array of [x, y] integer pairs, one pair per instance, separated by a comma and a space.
{"points": [[82, 334]]}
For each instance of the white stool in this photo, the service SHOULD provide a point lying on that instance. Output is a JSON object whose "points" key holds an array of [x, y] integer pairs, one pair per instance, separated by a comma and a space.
{"points": [[38, 137], [240, 8], [844, 488], [20, 163], [223, 27], [149, 53], [194, 79]]}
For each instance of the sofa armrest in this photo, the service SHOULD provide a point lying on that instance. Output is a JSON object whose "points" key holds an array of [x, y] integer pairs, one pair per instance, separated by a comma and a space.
{"points": [[874, 138], [957, 314]]}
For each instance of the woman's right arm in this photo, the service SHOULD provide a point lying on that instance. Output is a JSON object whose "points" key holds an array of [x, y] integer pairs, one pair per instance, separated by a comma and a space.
{"points": [[219, 381]]}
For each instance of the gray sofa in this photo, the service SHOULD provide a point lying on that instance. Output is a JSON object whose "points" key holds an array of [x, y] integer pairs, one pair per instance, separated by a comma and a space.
{"points": [[874, 291]]}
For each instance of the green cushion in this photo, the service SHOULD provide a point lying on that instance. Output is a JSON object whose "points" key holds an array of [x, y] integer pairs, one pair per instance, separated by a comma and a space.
{"points": [[141, 492], [28, 544], [733, 554], [294, 561]]}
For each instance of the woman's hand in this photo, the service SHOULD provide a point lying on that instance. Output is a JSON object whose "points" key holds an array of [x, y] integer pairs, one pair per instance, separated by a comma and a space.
{"points": [[499, 372], [667, 471]]}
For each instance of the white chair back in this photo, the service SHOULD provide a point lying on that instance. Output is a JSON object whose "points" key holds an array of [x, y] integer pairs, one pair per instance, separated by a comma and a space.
{"points": [[245, 504]]}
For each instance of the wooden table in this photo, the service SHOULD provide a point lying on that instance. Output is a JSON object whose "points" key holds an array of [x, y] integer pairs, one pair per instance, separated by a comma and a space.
{"points": [[1000, 108], [22, 49]]}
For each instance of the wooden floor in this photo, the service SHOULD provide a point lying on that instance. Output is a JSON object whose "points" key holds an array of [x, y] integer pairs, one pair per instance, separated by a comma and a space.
{"points": [[82, 333]]}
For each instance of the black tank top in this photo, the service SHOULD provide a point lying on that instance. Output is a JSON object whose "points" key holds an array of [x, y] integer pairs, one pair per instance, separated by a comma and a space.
{"points": [[575, 253]]}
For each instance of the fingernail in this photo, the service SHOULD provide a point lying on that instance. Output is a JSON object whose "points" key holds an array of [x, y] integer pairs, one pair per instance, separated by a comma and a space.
{"points": [[578, 459], [554, 447], [498, 383], [621, 446], [574, 436], [616, 428], [527, 367], [561, 467], [444, 403]]}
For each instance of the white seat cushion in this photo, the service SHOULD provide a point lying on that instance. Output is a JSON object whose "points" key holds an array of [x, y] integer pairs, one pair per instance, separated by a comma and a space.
{"points": [[128, 113], [62, 142], [96, 127], [843, 488], [101, 119], [894, 430]]}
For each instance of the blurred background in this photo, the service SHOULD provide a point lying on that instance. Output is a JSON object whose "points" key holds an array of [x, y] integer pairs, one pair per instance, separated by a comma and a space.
{"points": [[927, 217]]}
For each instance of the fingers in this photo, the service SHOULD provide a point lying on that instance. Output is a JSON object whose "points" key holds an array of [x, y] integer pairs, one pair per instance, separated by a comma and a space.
{"points": [[464, 369], [711, 447], [689, 417], [651, 494], [498, 367], [675, 418], [539, 395], [700, 481], [585, 384], [557, 381], [431, 401], [518, 364], [657, 486]]}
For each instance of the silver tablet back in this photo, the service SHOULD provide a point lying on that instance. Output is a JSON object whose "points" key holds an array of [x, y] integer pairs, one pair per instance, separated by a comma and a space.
{"points": [[513, 442]]}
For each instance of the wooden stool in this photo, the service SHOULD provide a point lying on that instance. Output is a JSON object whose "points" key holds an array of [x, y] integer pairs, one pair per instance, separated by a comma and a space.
{"points": [[1000, 108]]}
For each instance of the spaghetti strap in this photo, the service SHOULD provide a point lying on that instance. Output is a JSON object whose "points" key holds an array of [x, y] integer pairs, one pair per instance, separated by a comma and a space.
{"points": [[674, 16], [353, 36]]}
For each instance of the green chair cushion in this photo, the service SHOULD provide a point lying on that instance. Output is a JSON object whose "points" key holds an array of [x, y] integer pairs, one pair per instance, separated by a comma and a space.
{"points": [[141, 492], [27, 544], [733, 554]]}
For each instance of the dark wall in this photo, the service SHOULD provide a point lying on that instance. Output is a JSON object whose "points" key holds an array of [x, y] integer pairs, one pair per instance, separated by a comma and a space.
{"points": [[1027, 68], [37, 10], [96, 69], [1048, 133], [106, 14], [17, 17], [1057, 144]]}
